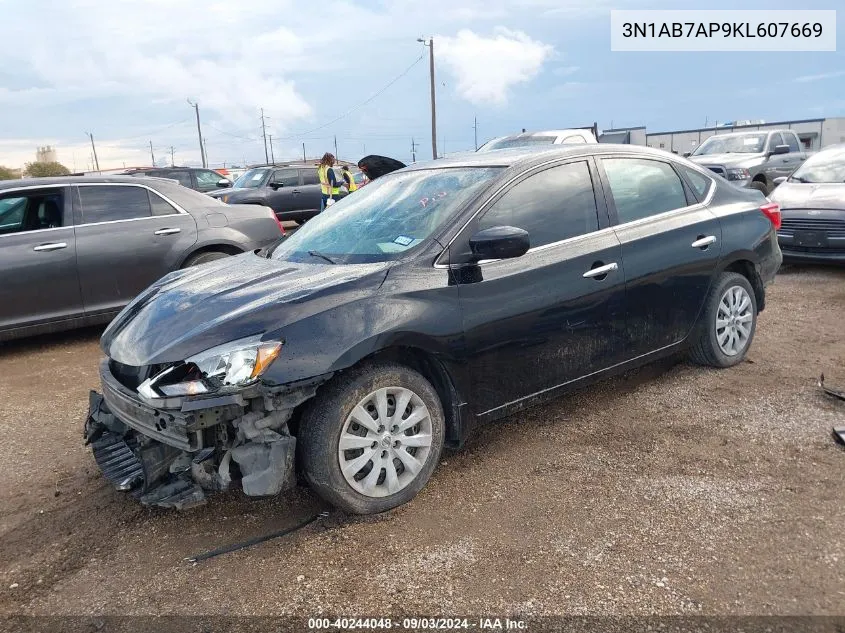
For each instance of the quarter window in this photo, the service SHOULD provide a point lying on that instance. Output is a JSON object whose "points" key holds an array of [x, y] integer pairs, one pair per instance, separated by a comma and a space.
{"points": [[159, 205], [642, 187], [110, 203], [553, 205], [700, 184]]}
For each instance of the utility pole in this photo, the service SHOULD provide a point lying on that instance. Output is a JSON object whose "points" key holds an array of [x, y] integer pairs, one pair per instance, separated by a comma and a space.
{"points": [[205, 150], [430, 44], [94, 149], [335, 145], [196, 107], [413, 150], [172, 157], [264, 132], [304, 160], [475, 130], [272, 156], [152, 154]]}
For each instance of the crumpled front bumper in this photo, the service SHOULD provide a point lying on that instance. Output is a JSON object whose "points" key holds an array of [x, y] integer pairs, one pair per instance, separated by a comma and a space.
{"points": [[174, 454]]}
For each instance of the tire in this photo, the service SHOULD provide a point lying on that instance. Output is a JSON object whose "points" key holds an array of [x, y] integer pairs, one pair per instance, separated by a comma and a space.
{"points": [[760, 186], [330, 416], [204, 258], [720, 303]]}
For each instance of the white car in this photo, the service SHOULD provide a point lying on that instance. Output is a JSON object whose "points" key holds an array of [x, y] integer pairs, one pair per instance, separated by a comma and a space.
{"points": [[548, 137]]}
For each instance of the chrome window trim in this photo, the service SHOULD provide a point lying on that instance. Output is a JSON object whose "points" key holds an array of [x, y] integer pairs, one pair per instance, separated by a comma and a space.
{"points": [[179, 209]]}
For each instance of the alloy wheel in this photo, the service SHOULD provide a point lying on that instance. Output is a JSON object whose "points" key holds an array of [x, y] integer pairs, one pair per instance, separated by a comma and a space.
{"points": [[734, 319]]}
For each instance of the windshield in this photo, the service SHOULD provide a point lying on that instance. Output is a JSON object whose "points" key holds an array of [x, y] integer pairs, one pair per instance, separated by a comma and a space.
{"points": [[827, 166], [519, 141], [732, 144], [387, 218], [251, 179]]}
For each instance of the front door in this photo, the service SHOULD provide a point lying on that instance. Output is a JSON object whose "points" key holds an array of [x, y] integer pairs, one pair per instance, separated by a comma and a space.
{"points": [[282, 194], [671, 245], [128, 236], [555, 314], [38, 273]]}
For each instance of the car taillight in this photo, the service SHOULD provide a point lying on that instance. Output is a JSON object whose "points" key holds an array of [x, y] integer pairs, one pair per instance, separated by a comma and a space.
{"points": [[278, 222], [772, 211]]}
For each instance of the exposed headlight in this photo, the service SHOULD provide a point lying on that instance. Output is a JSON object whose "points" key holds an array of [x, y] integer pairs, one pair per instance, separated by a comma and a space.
{"points": [[238, 362], [738, 174]]}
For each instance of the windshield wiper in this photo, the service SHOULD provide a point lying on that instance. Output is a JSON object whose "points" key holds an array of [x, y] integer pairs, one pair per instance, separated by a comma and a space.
{"points": [[800, 179], [322, 256]]}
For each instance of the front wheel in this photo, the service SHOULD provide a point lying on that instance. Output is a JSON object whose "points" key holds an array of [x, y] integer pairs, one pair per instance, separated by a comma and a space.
{"points": [[372, 438], [728, 323], [760, 186]]}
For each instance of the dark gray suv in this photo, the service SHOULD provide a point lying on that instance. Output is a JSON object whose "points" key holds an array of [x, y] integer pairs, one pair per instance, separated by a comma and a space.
{"points": [[292, 191], [75, 250]]}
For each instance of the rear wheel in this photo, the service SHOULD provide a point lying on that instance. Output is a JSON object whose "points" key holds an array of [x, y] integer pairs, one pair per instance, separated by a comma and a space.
{"points": [[728, 323], [204, 258], [372, 438], [760, 186]]}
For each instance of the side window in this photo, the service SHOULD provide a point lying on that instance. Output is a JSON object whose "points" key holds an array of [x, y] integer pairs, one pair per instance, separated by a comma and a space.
{"points": [[575, 138], [207, 178], [285, 177], [792, 141], [310, 177], [160, 206], [110, 203], [642, 187], [31, 211], [775, 140], [184, 177], [700, 184], [553, 205]]}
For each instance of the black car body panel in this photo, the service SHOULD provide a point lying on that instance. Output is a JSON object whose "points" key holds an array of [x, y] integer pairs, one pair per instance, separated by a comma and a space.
{"points": [[493, 336], [107, 240]]}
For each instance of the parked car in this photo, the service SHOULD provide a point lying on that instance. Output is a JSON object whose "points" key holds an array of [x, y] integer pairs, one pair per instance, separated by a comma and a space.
{"points": [[531, 139], [292, 191], [438, 297], [751, 159], [812, 200], [75, 250], [203, 180]]}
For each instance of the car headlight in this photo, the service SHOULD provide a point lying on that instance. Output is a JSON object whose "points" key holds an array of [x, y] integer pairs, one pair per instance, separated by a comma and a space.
{"points": [[737, 173], [238, 362]]}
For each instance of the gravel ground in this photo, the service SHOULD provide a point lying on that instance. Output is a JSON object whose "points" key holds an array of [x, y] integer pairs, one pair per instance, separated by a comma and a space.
{"points": [[671, 490]]}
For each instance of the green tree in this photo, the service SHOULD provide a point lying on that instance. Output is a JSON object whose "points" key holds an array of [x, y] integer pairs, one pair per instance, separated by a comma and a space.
{"points": [[43, 170], [7, 174]]}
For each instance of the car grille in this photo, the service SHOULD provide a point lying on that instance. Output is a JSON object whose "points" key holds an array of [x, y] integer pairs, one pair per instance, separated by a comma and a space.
{"points": [[130, 376], [832, 227]]}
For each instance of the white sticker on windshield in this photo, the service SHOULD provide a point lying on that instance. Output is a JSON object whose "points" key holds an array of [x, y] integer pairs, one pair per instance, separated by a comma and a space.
{"points": [[403, 240], [258, 176], [750, 141]]}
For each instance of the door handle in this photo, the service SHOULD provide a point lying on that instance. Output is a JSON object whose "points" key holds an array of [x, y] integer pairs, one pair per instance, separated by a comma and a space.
{"points": [[167, 231], [601, 271], [295, 191], [52, 246], [704, 242]]}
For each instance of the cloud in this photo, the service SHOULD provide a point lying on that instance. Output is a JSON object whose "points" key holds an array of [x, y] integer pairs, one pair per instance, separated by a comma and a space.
{"points": [[820, 77], [486, 68]]}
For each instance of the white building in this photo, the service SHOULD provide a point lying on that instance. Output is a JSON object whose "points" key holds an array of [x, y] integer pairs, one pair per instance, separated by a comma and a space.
{"points": [[46, 154]]}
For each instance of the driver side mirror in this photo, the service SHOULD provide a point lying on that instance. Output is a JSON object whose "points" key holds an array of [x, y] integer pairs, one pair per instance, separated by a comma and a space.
{"points": [[499, 242], [780, 149], [275, 185], [779, 180], [687, 154], [223, 183]]}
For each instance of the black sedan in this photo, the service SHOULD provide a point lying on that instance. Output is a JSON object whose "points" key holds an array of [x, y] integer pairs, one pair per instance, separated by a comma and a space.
{"points": [[813, 205], [75, 250], [438, 297]]}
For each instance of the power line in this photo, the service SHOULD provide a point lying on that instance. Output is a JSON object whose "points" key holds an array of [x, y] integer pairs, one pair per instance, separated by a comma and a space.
{"points": [[360, 105], [166, 127]]}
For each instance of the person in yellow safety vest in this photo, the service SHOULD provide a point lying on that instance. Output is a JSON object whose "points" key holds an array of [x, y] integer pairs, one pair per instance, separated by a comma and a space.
{"points": [[329, 186], [350, 181]]}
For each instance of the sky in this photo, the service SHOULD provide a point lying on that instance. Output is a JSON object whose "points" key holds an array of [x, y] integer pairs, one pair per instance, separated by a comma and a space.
{"points": [[351, 70]]}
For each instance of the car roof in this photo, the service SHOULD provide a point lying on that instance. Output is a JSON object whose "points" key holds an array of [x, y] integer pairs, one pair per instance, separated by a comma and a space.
{"points": [[57, 181], [526, 157]]}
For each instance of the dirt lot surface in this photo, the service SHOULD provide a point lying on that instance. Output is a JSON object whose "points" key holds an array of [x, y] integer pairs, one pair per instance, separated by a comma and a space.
{"points": [[672, 490]]}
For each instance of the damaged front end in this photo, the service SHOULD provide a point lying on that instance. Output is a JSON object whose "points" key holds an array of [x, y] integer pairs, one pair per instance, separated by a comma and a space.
{"points": [[172, 450]]}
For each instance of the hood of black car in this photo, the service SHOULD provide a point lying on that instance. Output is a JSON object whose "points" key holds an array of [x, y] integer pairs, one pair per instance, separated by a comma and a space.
{"points": [[798, 195], [192, 310]]}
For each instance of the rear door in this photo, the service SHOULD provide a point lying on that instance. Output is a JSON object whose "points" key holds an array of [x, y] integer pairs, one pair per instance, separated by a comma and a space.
{"points": [[128, 236], [38, 275], [671, 245], [555, 314], [309, 190]]}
